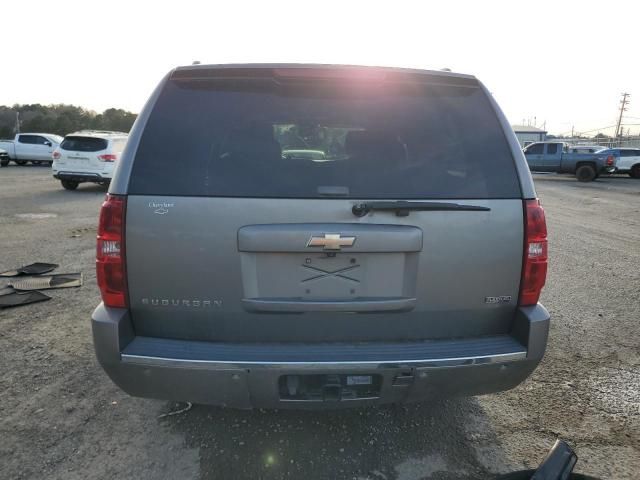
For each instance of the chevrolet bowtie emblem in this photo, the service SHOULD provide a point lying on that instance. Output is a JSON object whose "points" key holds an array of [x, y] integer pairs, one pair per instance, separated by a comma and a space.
{"points": [[331, 241]]}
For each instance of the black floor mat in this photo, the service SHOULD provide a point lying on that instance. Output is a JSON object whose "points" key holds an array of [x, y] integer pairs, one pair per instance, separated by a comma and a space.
{"points": [[44, 282], [18, 299], [37, 268]]}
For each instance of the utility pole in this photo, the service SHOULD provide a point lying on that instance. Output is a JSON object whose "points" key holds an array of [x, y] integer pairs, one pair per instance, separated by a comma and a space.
{"points": [[17, 122], [572, 132], [623, 108]]}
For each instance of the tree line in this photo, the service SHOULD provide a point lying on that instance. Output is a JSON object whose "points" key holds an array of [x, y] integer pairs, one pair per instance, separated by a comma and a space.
{"points": [[61, 119]]}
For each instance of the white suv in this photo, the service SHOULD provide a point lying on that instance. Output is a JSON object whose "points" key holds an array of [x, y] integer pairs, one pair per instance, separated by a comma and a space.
{"points": [[87, 156]]}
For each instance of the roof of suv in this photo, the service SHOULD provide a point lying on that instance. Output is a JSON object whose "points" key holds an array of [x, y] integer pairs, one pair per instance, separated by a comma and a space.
{"points": [[39, 133], [98, 133], [188, 71]]}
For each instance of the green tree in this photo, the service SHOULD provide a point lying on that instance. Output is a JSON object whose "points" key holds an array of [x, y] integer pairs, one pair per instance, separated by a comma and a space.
{"points": [[602, 136], [62, 119]]}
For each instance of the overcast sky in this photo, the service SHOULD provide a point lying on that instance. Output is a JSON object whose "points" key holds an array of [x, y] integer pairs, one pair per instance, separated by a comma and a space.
{"points": [[563, 62]]}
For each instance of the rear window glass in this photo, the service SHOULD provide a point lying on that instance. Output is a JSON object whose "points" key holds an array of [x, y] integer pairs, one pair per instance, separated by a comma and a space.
{"points": [[83, 144], [263, 139]]}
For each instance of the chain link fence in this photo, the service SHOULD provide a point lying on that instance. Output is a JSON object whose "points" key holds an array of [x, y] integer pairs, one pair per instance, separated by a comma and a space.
{"points": [[628, 142]]}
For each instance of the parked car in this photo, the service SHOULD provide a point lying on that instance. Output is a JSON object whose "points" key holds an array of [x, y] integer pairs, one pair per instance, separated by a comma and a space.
{"points": [[4, 158], [87, 156], [627, 160], [556, 157], [403, 266], [586, 148], [34, 147]]}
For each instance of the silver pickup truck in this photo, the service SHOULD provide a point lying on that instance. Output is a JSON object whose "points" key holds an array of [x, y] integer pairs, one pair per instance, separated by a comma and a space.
{"points": [[557, 157]]}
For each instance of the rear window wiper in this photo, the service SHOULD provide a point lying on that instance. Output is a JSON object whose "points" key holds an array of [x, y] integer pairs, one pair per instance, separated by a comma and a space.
{"points": [[403, 208]]}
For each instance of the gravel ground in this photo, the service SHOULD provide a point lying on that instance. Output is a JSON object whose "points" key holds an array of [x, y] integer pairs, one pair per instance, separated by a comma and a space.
{"points": [[62, 418]]}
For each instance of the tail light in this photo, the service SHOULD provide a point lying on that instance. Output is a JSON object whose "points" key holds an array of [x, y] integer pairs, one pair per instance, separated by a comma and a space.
{"points": [[108, 157], [610, 160], [55, 155], [110, 259], [534, 265]]}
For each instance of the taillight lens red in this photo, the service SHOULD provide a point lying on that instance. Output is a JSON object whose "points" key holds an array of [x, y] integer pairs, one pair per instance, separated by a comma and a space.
{"points": [[110, 259], [534, 267], [108, 157], [610, 160], [56, 155]]}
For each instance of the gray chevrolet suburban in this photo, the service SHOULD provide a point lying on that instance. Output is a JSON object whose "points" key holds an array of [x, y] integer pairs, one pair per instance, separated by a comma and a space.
{"points": [[319, 236]]}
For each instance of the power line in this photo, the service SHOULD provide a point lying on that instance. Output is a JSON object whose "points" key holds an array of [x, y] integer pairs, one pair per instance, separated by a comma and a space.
{"points": [[573, 131], [597, 129]]}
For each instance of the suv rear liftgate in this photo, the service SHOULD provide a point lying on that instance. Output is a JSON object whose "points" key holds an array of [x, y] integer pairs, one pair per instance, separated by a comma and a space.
{"points": [[300, 236]]}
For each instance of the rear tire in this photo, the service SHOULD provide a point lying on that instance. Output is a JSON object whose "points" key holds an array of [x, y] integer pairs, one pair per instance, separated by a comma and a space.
{"points": [[21, 162], [635, 171], [69, 184], [4, 162], [586, 173]]}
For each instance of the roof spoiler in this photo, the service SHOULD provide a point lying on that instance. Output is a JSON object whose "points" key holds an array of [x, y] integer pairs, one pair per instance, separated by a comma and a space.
{"points": [[297, 72]]}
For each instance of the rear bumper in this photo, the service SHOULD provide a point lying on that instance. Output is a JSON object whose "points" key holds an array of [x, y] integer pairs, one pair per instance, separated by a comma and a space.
{"points": [[246, 376], [81, 177]]}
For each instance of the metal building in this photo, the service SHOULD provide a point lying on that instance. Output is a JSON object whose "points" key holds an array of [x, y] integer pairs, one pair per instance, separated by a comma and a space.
{"points": [[527, 134]]}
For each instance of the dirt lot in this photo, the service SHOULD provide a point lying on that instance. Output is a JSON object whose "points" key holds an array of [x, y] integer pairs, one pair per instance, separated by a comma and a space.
{"points": [[62, 418]]}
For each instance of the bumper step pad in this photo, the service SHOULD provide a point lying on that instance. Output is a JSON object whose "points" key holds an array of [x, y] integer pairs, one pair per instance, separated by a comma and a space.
{"points": [[17, 299], [37, 268], [62, 280]]}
